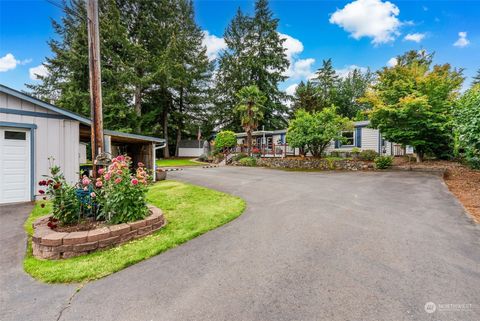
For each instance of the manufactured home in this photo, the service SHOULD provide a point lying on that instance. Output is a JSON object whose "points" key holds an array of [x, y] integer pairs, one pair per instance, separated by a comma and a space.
{"points": [[32, 130], [274, 142]]}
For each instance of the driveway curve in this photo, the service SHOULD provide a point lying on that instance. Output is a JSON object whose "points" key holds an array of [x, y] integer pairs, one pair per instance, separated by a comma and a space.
{"points": [[310, 246]]}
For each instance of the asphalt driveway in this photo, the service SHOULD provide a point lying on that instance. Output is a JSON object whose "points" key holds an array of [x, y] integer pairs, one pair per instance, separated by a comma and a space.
{"points": [[310, 246]]}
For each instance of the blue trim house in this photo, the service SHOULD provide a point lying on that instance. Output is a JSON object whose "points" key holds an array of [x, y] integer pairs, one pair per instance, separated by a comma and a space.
{"points": [[32, 130], [361, 137]]}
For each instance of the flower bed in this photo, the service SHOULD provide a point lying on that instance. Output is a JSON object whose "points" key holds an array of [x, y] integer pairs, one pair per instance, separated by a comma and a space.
{"points": [[49, 244], [315, 163]]}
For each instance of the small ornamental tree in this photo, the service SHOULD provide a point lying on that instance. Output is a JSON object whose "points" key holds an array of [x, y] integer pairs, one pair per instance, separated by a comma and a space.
{"points": [[467, 124], [314, 132], [225, 139], [413, 103], [250, 108]]}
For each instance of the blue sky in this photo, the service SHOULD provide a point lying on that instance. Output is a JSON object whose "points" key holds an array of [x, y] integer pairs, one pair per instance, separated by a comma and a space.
{"points": [[361, 33]]}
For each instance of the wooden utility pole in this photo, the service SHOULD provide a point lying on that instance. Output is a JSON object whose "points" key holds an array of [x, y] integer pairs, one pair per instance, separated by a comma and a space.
{"points": [[95, 81]]}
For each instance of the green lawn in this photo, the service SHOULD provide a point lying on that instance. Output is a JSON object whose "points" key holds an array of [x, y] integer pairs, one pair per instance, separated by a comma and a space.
{"points": [[190, 211], [174, 162]]}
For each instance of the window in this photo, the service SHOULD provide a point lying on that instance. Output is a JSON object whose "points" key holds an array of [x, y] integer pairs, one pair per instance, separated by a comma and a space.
{"points": [[15, 135], [348, 138]]}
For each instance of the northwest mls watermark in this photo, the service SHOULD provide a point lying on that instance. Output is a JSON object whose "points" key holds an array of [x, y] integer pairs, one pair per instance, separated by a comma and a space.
{"points": [[431, 307]]}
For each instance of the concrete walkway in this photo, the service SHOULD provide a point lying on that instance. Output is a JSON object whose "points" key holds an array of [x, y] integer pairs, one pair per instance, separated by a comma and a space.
{"points": [[310, 246]]}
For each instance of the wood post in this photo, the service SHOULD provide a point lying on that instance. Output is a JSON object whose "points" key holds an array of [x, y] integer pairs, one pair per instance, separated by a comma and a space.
{"points": [[95, 81]]}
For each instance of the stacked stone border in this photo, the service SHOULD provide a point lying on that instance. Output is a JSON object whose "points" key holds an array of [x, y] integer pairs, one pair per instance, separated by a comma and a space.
{"points": [[52, 245], [314, 163]]}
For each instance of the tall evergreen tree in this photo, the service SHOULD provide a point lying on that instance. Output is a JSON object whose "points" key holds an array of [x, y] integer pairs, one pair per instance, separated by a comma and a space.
{"points": [[305, 97], [476, 78], [326, 81], [348, 92], [155, 72], [255, 56], [66, 83]]}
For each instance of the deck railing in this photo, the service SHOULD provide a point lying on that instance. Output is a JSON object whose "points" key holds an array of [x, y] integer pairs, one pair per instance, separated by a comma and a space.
{"points": [[268, 150]]}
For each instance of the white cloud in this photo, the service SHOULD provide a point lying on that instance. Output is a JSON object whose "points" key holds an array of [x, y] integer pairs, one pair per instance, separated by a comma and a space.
{"points": [[343, 73], [301, 68], [214, 44], [8, 62], [369, 18], [39, 70], [392, 62], [462, 40], [291, 89], [416, 37], [292, 46]]}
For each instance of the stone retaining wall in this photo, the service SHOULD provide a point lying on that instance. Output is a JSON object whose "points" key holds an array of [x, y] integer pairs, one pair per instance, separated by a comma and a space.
{"points": [[315, 163], [49, 244]]}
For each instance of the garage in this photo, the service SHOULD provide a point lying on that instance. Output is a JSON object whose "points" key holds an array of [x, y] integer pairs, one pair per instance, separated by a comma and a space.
{"points": [[15, 163], [34, 133]]}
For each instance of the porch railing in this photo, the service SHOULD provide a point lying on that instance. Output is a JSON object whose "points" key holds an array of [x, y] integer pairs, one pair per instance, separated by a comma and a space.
{"points": [[269, 150]]}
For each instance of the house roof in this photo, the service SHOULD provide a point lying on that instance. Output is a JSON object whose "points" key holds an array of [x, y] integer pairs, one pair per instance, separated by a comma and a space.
{"points": [[284, 131], [74, 116]]}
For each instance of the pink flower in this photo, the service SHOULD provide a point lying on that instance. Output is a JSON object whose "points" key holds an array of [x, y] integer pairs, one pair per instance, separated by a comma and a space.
{"points": [[107, 176], [118, 180], [92, 194], [101, 171], [140, 164], [99, 184], [41, 191], [85, 181], [119, 172], [120, 158], [134, 181]]}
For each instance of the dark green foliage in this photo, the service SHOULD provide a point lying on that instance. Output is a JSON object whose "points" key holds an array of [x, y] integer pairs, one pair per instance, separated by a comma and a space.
{"points": [[305, 98], [467, 124], [248, 161], [313, 132], [225, 139], [383, 162], [155, 71], [255, 56], [328, 89], [367, 155], [413, 103], [326, 81], [476, 78], [239, 156]]}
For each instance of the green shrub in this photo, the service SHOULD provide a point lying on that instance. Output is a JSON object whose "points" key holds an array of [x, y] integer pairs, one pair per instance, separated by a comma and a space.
{"points": [[248, 161], [239, 156], [382, 162], [66, 206], [367, 155], [225, 139]]}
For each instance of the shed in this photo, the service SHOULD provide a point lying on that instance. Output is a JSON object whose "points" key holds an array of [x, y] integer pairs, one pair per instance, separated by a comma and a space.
{"points": [[32, 130]]}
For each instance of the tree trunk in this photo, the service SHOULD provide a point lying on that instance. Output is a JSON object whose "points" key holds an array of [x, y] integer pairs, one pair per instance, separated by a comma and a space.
{"points": [[249, 142], [180, 124], [166, 153], [137, 99], [419, 156]]}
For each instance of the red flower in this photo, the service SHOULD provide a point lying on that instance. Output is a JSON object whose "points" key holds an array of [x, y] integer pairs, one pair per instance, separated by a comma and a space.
{"points": [[42, 183], [57, 185], [49, 182], [41, 191], [134, 181]]}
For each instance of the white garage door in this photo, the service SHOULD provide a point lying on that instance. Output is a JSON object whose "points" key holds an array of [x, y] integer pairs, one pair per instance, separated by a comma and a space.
{"points": [[14, 165]]}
